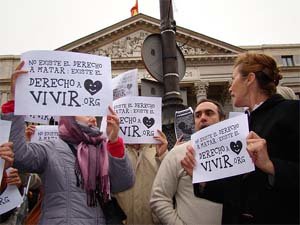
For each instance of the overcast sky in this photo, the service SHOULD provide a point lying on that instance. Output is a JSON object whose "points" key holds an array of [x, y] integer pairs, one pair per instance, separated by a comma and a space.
{"points": [[49, 24]]}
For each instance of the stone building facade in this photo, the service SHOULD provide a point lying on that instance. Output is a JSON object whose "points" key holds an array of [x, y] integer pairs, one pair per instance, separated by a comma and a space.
{"points": [[208, 61]]}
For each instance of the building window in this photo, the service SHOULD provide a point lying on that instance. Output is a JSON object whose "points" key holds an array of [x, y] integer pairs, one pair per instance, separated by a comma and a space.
{"points": [[287, 60]]}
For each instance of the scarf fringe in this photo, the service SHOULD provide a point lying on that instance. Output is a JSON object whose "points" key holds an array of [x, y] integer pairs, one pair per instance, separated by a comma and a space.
{"points": [[102, 185]]}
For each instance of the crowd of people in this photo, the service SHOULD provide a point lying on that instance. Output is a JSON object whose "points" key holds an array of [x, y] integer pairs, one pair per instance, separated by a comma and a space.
{"points": [[87, 178]]}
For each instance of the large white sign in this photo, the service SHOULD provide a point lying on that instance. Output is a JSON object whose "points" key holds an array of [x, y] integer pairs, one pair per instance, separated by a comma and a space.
{"points": [[125, 84], [10, 198], [140, 118], [64, 83], [4, 136], [45, 133], [221, 150]]}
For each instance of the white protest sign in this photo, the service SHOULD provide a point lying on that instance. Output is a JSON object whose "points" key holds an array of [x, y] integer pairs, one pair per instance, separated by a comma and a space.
{"points": [[41, 119], [221, 150], [184, 124], [4, 137], [140, 118], [234, 114], [4, 130], [64, 84], [10, 198], [45, 133], [125, 84]]}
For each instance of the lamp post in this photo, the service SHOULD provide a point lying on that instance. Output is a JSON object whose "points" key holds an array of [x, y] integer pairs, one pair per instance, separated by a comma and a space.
{"points": [[172, 100]]}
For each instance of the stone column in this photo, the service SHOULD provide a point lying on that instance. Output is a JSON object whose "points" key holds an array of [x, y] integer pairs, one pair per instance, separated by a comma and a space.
{"points": [[3, 97], [201, 90]]}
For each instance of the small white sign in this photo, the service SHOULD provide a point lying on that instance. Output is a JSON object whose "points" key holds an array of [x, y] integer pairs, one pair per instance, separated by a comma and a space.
{"points": [[4, 137], [64, 84], [45, 133], [10, 198], [41, 119], [4, 130], [221, 150], [140, 118], [125, 84], [184, 124]]}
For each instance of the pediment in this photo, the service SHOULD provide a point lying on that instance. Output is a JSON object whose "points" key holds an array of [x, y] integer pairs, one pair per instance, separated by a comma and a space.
{"points": [[124, 41]]}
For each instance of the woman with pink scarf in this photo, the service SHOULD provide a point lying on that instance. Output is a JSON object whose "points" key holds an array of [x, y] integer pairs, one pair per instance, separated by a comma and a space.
{"points": [[79, 171]]}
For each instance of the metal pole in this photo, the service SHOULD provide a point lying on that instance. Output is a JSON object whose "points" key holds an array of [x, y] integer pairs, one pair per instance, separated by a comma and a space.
{"points": [[172, 100]]}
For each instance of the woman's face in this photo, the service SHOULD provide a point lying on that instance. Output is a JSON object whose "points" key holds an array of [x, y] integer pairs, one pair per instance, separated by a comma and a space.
{"points": [[87, 120], [238, 89]]}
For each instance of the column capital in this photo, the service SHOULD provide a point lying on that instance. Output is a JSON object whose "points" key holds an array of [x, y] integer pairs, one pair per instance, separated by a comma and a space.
{"points": [[200, 88]]}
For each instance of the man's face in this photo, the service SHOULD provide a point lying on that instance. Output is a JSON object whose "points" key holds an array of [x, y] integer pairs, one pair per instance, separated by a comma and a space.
{"points": [[205, 115]]}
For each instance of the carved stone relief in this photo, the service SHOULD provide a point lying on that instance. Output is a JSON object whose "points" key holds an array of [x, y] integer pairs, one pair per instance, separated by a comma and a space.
{"points": [[131, 45], [187, 50]]}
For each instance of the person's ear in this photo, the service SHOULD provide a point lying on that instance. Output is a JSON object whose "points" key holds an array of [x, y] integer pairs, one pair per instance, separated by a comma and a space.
{"points": [[250, 78]]}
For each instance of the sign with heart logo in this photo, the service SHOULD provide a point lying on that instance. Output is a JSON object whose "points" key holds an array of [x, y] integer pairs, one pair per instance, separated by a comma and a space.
{"points": [[184, 124], [148, 122], [236, 147], [62, 83], [140, 118], [125, 84], [221, 150], [92, 87]]}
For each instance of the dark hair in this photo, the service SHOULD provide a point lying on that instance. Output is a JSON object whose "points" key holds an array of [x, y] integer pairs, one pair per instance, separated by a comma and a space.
{"points": [[263, 66], [221, 112]]}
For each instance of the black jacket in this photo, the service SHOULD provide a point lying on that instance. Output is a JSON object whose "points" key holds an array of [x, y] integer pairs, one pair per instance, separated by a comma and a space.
{"points": [[277, 121]]}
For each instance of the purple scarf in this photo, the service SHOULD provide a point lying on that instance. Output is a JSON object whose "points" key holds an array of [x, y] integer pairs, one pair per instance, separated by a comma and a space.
{"points": [[91, 166]]}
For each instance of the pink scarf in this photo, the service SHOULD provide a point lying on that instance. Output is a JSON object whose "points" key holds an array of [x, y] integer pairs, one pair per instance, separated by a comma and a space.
{"points": [[91, 166]]}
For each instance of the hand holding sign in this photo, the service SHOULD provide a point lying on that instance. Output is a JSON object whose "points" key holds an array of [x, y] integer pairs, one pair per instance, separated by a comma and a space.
{"points": [[189, 162], [6, 153], [113, 126], [13, 177], [257, 149], [161, 147], [10, 197], [18, 72], [221, 150], [29, 131]]}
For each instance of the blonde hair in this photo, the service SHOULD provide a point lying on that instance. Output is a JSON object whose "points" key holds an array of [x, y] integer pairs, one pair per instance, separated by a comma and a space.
{"points": [[286, 92]]}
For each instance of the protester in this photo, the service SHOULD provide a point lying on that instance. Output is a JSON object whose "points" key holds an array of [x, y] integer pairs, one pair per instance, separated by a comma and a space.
{"points": [[286, 92], [173, 181], [79, 170], [270, 193], [10, 178], [145, 159]]}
